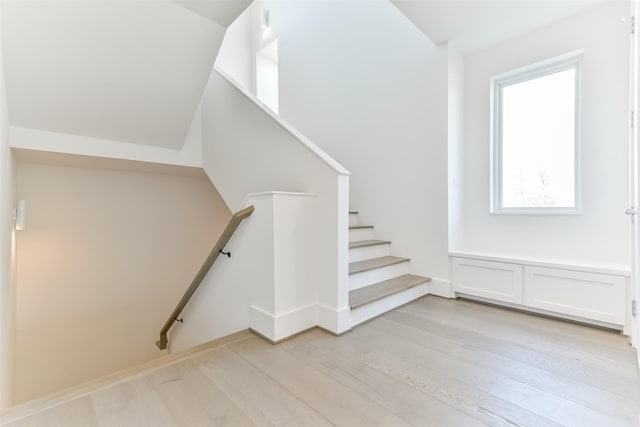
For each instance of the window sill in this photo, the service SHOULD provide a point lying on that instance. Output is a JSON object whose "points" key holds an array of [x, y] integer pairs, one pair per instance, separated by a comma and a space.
{"points": [[537, 211]]}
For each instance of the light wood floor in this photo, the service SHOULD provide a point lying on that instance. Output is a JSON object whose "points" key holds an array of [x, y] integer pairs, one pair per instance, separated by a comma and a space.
{"points": [[434, 362]]}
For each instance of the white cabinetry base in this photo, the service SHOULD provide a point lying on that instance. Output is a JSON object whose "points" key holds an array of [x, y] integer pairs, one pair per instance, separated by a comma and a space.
{"points": [[591, 294]]}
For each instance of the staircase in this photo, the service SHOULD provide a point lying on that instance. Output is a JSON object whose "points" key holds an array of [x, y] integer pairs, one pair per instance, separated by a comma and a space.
{"points": [[378, 281]]}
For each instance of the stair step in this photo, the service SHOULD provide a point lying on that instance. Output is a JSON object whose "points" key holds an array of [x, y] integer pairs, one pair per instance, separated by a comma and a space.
{"points": [[353, 218], [364, 243], [361, 249], [360, 232], [377, 291], [372, 264]]}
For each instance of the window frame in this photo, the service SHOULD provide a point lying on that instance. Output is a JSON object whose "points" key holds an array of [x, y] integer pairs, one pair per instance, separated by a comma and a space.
{"points": [[572, 60]]}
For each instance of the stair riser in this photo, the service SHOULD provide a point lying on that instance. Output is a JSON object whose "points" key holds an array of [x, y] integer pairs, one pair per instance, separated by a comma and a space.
{"points": [[370, 277], [376, 308], [353, 219], [360, 234], [368, 252]]}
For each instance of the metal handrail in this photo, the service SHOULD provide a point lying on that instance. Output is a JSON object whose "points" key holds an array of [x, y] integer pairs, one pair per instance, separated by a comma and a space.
{"points": [[231, 228]]}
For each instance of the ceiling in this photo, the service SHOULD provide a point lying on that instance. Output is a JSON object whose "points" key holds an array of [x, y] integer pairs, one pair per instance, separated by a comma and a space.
{"points": [[134, 71], [222, 12], [131, 71], [473, 25]]}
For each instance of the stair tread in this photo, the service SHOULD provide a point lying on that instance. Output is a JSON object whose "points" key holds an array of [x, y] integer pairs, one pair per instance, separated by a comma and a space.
{"points": [[376, 291], [364, 243], [373, 263], [358, 227]]}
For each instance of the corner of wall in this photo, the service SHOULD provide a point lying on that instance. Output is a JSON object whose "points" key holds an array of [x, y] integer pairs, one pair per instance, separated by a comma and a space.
{"points": [[440, 288], [7, 250], [191, 153], [455, 146]]}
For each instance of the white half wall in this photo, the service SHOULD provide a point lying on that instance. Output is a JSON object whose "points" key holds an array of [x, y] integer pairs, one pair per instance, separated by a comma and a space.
{"points": [[600, 233], [247, 149], [104, 259], [271, 281]]}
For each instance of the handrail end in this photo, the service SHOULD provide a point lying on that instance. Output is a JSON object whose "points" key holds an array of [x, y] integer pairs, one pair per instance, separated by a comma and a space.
{"points": [[244, 213], [162, 343]]}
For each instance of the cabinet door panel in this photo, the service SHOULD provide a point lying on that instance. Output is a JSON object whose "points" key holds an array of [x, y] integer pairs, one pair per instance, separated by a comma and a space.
{"points": [[495, 280], [589, 295]]}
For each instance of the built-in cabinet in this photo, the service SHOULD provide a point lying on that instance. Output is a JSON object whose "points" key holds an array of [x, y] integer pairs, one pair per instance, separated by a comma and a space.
{"points": [[499, 281], [581, 292]]}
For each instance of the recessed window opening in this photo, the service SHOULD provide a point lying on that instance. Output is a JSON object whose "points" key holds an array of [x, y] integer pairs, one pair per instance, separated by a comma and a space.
{"points": [[267, 75], [535, 138]]}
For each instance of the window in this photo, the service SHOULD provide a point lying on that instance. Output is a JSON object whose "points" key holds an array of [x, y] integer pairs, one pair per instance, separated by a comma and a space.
{"points": [[267, 75], [535, 138]]}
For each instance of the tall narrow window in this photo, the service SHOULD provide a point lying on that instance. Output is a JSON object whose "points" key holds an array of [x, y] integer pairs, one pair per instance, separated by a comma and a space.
{"points": [[535, 138], [267, 76]]}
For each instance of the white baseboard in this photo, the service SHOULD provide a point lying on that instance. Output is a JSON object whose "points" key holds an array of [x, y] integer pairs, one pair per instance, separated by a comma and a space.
{"points": [[441, 288], [295, 321], [262, 322], [283, 325], [547, 313], [337, 321]]}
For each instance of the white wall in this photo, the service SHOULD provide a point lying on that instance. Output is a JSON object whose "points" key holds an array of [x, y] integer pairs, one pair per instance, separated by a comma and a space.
{"points": [[106, 255], [362, 82], [600, 233], [234, 56], [7, 251]]}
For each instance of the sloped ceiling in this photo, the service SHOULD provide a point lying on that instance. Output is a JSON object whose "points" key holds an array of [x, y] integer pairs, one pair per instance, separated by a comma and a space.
{"points": [[222, 12], [131, 71], [134, 71], [473, 25]]}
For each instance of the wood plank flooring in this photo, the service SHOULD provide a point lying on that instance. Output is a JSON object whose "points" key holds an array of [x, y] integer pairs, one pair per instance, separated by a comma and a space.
{"points": [[434, 362]]}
